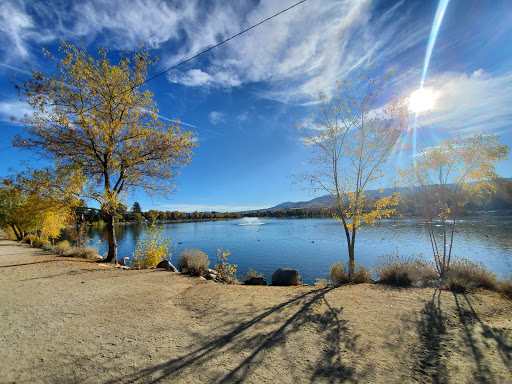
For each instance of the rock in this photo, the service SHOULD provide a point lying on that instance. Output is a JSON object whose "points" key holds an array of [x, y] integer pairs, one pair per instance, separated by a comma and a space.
{"points": [[124, 261], [202, 278], [286, 277], [166, 264], [256, 281]]}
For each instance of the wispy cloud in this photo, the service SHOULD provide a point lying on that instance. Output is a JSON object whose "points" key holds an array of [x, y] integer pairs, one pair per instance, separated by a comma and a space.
{"points": [[469, 103], [298, 54], [216, 117], [14, 108]]}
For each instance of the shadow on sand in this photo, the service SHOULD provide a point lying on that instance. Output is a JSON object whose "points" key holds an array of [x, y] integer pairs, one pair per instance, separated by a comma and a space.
{"points": [[250, 348], [464, 331]]}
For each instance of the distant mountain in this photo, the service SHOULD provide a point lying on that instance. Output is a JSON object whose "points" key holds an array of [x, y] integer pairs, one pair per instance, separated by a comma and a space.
{"points": [[327, 200]]}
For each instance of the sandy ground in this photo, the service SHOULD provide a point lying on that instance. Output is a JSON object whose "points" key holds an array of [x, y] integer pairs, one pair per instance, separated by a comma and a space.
{"points": [[65, 321]]}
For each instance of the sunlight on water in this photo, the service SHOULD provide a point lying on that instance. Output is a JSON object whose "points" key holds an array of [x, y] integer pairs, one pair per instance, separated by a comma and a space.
{"points": [[313, 245]]}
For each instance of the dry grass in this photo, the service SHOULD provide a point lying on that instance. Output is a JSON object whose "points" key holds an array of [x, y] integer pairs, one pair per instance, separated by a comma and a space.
{"points": [[465, 275], [193, 261], [405, 271], [339, 275]]}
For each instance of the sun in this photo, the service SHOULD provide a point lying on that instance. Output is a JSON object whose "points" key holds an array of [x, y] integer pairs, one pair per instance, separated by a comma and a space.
{"points": [[422, 100]]}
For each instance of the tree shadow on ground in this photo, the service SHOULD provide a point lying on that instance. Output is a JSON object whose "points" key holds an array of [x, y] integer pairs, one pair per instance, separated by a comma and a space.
{"points": [[430, 365], [251, 347], [440, 334], [469, 321]]}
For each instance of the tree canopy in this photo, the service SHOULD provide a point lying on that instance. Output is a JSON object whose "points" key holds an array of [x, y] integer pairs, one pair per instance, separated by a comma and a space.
{"points": [[92, 116]]}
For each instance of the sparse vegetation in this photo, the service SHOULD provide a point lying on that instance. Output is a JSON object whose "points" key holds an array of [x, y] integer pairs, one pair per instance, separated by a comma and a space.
{"points": [[193, 261], [404, 271], [340, 276], [505, 287], [252, 273], [465, 275]]}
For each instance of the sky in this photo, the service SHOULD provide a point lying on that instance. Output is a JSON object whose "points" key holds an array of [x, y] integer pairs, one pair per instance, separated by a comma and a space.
{"points": [[245, 97]]}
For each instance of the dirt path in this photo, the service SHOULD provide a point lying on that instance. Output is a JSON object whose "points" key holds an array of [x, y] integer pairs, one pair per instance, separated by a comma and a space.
{"points": [[64, 320]]}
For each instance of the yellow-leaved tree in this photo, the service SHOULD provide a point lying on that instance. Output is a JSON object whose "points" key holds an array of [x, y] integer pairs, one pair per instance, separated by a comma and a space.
{"points": [[92, 116], [30, 203], [447, 175], [353, 138]]}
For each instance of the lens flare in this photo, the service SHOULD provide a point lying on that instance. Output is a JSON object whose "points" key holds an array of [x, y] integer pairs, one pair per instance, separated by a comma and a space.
{"points": [[441, 9]]}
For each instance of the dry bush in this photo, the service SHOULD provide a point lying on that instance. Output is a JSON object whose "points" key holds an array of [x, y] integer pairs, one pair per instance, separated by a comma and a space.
{"points": [[252, 273], [49, 247], [404, 271], [61, 247], [193, 261], [88, 252], [339, 275], [505, 287], [465, 275]]}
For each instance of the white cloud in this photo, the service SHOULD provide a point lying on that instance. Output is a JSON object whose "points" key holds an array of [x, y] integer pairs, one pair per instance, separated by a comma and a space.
{"points": [[471, 103], [302, 51], [14, 24], [216, 117], [14, 108]]}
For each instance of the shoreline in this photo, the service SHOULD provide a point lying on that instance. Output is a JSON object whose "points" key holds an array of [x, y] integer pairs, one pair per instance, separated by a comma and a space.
{"points": [[73, 320]]}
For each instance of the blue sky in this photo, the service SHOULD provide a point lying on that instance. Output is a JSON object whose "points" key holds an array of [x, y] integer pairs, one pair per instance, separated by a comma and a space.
{"points": [[245, 97]]}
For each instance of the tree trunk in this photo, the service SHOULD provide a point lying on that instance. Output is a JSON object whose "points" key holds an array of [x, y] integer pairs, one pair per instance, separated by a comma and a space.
{"points": [[351, 261], [111, 236], [17, 232]]}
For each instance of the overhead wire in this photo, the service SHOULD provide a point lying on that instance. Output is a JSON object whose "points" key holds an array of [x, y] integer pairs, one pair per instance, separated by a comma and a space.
{"points": [[197, 55]]}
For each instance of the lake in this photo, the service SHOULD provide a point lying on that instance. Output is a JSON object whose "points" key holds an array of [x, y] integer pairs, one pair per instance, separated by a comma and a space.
{"points": [[313, 245]]}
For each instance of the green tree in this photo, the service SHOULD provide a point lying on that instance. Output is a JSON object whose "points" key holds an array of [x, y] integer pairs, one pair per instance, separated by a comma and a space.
{"points": [[136, 207], [352, 140], [93, 116], [448, 175]]}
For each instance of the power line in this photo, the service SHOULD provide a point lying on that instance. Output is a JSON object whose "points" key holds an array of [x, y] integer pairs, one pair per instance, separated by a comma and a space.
{"points": [[222, 42], [206, 50]]}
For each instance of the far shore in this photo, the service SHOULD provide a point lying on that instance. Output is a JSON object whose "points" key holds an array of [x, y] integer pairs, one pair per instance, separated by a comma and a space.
{"points": [[71, 320]]}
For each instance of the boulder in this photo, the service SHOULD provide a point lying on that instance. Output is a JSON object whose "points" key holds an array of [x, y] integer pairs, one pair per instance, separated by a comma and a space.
{"points": [[124, 261], [286, 277], [166, 264], [256, 281]]}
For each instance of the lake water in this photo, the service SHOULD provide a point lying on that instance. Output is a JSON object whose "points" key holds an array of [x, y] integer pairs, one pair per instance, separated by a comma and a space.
{"points": [[313, 245]]}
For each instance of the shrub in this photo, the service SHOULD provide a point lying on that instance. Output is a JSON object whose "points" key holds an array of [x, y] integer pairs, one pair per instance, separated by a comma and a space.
{"points": [[193, 261], [35, 241], [252, 273], [505, 287], [404, 271], [338, 274], [225, 271], [49, 247], [465, 275], [87, 252], [151, 249], [61, 247]]}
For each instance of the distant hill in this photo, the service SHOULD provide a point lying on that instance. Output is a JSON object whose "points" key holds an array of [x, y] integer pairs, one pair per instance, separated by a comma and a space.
{"points": [[327, 201]]}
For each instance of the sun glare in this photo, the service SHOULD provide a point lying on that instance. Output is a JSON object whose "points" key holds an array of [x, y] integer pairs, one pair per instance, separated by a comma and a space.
{"points": [[422, 100]]}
